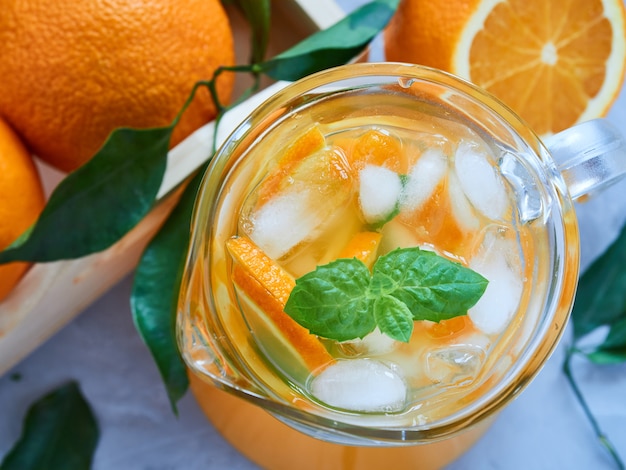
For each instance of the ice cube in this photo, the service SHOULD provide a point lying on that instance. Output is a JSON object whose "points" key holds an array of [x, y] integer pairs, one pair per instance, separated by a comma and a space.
{"points": [[279, 215], [360, 385], [423, 178], [374, 344], [379, 192], [480, 181], [462, 210], [498, 261], [282, 223], [454, 364]]}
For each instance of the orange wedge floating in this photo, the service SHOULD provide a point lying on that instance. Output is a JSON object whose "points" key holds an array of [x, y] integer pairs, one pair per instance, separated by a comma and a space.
{"points": [[269, 286], [435, 224], [376, 148], [308, 143], [449, 327], [362, 246]]}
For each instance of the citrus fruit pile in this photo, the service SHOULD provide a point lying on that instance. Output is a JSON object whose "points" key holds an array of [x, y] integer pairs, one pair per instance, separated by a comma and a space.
{"points": [[73, 71], [555, 63]]}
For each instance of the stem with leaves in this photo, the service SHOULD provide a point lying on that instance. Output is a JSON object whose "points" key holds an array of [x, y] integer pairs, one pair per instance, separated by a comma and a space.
{"points": [[600, 301]]}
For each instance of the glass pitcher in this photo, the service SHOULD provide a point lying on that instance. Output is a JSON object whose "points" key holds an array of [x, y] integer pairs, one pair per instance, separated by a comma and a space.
{"points": [[411, 157]]}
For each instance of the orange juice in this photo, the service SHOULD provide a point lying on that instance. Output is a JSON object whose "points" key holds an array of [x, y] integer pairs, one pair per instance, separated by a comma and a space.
{"points": [[320, 204], [360, 175]]}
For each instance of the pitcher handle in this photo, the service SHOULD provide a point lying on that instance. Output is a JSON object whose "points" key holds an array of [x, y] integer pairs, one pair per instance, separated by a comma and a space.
{"points": [[590, 155]]}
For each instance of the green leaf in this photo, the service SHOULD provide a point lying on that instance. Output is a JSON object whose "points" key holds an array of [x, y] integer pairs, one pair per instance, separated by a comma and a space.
{"points": [[432, 287], [333, 46], [607, 356], [613, 348], [342, 301], [155, 292], [393, 318], [93, 207], [616, 339], [60, 431], [257, 12], [332, 301], [601, 296]]}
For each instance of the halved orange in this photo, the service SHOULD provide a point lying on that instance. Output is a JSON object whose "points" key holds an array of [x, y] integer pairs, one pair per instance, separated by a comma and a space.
{"points": [[554, 62]]}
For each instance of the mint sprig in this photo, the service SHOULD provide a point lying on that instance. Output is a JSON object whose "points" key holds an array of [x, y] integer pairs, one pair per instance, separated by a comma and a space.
{"points": [[342, 300]]}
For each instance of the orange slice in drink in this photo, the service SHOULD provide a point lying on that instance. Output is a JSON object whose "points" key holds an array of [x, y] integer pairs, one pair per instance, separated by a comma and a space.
{"points": [[553, 62], [308, 189], [449, 327], [269, 286], [304, 146], [434, 223], [374, 148], [362, 246]]}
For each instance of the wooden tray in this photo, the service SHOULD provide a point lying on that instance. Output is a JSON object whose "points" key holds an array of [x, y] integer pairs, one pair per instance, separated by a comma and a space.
{"points": [[52, 294]]}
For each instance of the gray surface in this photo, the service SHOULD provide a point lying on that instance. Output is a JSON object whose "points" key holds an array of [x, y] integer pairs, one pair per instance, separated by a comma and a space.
{"points": [[543, 429]]}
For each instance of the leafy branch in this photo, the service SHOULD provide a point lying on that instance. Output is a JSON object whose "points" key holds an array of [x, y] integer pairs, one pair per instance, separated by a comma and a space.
{"points": [[600, 302], [95, 206], [104, 199]]}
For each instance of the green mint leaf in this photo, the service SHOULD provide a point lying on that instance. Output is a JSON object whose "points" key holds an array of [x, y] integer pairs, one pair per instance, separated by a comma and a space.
{"points": [[155, 292], [393, 318], [342, 301], [601, 295], [94, 206], [432, 287], [332, 301], [333, 46], [60, 431]]}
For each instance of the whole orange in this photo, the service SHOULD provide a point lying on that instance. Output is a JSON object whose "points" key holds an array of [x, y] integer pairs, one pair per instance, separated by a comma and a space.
{"points": [[74, 70], [21, 201], [555, 63]]}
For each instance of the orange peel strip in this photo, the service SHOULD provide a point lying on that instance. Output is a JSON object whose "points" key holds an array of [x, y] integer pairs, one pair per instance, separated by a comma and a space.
{"points": [[362, 246], [269, 286], [449, 327], [376, 148]]}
